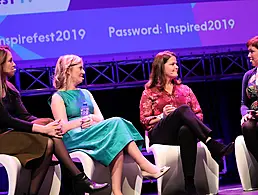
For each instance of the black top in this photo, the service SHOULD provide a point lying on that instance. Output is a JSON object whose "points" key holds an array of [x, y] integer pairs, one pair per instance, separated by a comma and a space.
{"points": [[13, 114], [249, 98]]}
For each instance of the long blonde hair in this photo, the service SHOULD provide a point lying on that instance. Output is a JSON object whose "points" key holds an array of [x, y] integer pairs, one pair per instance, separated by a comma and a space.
{"points": [[62, 66]]}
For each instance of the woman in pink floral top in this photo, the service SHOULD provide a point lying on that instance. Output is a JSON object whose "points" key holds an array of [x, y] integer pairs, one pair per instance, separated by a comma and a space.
{"points": [[171, 113]]}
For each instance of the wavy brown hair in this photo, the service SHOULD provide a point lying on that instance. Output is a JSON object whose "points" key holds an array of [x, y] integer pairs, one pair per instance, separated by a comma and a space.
{"points": [[3, 57], [157, 76], [62, 66], [253, 42]]}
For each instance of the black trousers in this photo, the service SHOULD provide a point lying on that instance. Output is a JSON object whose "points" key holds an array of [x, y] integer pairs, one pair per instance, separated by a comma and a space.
{"points": [[250, 133], [181, 127]]}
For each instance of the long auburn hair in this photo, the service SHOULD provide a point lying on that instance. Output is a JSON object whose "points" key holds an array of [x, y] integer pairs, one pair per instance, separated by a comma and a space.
{"points": [[157, 76]]}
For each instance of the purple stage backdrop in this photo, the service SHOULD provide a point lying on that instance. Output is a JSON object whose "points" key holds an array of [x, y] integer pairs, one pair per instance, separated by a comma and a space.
{"points": [[47, 29]]}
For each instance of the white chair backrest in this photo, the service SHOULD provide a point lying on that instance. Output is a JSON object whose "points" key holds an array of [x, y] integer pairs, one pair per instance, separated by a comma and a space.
{"points": [[147, 142]]}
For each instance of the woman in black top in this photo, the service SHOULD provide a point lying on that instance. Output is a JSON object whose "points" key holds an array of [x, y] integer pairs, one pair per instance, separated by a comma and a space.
{"points": [[249, 100], [32, 140]]}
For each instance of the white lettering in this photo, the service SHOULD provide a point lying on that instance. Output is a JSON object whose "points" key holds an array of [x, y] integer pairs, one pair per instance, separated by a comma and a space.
{"points": [[127, 32]]}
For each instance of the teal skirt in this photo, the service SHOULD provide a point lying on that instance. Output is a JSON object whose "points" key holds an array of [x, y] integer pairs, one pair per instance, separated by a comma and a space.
{"points": [[104, 140]]}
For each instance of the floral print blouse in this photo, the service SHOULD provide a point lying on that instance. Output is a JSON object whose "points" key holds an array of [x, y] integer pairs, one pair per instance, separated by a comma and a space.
{"points": [[153, 100], [249, 91]]}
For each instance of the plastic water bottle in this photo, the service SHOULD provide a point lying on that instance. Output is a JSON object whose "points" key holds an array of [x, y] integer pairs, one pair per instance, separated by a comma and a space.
{"points": [[84, 109]]}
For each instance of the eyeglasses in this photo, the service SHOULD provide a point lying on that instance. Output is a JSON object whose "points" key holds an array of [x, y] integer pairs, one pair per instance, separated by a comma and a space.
{"points": [[73, 65]]}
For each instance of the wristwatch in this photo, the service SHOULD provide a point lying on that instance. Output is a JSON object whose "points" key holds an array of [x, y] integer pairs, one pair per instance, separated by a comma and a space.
{"points": [[160, 116]]}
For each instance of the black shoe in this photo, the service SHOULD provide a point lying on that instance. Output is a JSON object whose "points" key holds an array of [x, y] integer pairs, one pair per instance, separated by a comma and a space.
{"points": [[189, 186], [218, 150], [191, 192], [82, 184]]}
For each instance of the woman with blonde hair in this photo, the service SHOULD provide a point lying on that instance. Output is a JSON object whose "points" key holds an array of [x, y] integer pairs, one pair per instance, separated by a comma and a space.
{"points": [[104, 140], [33, 141]]}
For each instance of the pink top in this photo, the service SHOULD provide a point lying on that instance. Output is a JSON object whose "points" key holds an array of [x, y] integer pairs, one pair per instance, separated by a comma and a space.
{"points": [[153, 100]]}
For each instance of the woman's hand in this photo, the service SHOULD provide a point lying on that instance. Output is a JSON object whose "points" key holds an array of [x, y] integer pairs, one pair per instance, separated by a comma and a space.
{"points": [[86, 121], [168, 109], [53, 129], [246, 117]]}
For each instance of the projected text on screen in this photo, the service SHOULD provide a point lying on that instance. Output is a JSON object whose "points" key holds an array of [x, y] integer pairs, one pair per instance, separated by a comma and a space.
{"points": [[128, 29]]}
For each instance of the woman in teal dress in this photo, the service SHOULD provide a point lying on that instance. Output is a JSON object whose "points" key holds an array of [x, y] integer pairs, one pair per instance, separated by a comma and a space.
{"points": [[104, 140]]}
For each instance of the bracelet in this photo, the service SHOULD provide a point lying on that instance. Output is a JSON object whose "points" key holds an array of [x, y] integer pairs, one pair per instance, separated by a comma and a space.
{"points": [[160, 116]]}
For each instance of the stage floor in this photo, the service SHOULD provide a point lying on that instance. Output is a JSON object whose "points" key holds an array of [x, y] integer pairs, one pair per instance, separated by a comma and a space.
{"points": [[229, 189], [235, 190]]}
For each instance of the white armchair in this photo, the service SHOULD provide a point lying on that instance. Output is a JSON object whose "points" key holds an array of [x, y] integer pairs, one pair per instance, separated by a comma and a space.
{"points": [[131, 180], [206, 170], [247, 165], [19, 178]]}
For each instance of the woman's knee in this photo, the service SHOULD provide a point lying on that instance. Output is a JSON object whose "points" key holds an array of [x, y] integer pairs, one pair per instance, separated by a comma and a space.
{"points": [[179, 112], [185, 130], [183, 108], [186, 133], [50, 146], [116, 119]]}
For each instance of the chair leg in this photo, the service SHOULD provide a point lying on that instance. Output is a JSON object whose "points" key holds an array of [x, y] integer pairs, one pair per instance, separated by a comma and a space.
{"points": [[207, 179], [17, 185], [131, 180], [87, 163], [52, 181], [173, 181], [247, 165], [132, 177], [19, 178], [56, 184], [13, 168]]}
